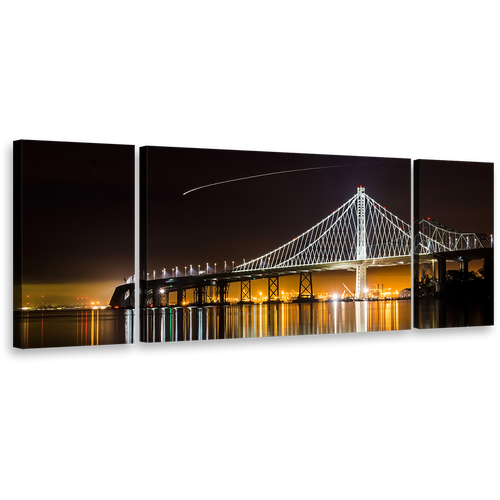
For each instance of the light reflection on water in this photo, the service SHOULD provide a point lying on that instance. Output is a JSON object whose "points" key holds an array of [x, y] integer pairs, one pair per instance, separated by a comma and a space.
{"points": [[441, 314], [97, 327]]}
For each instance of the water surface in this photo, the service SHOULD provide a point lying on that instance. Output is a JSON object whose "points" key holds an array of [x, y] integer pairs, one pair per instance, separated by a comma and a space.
{"points": [[97, 327]]}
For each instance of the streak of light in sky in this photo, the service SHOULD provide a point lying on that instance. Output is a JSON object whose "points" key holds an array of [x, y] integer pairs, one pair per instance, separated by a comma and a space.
{"points": [[261, 175]]}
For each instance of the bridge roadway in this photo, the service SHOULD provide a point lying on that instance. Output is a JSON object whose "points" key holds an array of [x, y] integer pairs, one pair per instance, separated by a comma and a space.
{"points": [[219, 282]]}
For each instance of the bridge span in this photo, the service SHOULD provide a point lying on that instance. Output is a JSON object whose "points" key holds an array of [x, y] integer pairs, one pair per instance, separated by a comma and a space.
{"points": [[358, 235]]}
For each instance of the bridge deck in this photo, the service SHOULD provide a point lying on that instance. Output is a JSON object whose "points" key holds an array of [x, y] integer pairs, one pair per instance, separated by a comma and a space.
{"points": [[234, 276], [187, 282]]}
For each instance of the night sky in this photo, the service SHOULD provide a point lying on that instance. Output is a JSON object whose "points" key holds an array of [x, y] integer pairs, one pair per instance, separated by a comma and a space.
{"points": [[78, 207]]}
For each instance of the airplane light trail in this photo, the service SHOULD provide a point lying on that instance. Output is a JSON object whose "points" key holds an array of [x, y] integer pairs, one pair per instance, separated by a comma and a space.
{"points": [[261, 175]]}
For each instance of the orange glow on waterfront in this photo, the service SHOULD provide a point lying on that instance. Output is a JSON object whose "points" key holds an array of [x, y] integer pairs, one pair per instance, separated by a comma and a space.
{"points": [[57, 294]]}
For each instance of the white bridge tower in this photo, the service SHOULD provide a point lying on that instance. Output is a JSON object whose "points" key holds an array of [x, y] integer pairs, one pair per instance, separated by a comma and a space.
{"points": [[360, 243]]}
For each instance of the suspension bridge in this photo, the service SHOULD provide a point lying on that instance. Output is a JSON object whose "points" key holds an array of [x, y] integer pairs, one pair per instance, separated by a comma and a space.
{"points": [[360, 234]]}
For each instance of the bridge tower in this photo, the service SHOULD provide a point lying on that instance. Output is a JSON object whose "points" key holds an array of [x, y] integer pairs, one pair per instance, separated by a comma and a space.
{"points": [[360, 243]]}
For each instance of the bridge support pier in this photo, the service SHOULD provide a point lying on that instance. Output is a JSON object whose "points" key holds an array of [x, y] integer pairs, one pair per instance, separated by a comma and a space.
{"points": [[181, 296], [441, 274], [464, 268], [204, 294], [163, 299], [149, 298], [360, 282], [222, 291], [246, 295], [306, 289], [273, 289], [200, 295], [428, 269]]}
